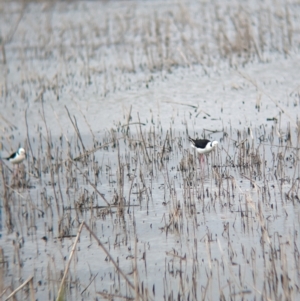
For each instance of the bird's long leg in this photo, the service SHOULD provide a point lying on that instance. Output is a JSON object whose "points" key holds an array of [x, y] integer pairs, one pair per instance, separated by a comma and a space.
{"points": [[14, 176], [201, 161]]}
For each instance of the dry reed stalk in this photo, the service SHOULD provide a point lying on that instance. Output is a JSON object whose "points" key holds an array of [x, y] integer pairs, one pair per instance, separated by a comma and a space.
{"points": [[88, 152], [3, 53], [114, 296], [132, 123], [144, 186], [89, 284], [131, 185], [163, 149], [74, 123], [6, 198], [60, 190], [120, 177], [253, 82], [144, 144], [135, 269], [59, 123], [60, 291], [3, 263], [93, 185], [89, 126], [27, 134], [32, 295], [111, 259], [13, 29], [128, 119], [54, 191], [10, 124]]}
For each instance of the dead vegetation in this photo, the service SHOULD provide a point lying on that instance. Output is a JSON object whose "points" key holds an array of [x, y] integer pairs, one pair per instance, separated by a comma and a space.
{"points": [[132, 44], [219, 226], [129, 214]]}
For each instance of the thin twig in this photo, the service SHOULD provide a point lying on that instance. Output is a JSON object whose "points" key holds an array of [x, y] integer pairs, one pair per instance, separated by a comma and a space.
{"points": [[145, 148], [94, 186], [59, 297], [20, 287], [75, 128], [89, 283]]}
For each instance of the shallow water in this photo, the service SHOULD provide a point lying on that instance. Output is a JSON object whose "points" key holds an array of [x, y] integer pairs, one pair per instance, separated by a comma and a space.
{"points": [[176, 229], [219, 222]]}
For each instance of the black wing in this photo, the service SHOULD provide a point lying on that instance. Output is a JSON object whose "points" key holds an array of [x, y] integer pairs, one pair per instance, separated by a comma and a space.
{"points": [[199, 143], [12, 156]]}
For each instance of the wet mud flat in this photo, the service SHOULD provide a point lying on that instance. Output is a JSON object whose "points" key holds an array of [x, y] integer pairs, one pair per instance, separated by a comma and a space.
{"points": [[112, 203]]}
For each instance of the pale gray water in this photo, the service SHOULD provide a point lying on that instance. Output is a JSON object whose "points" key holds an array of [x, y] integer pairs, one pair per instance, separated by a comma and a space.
{"points": [[100, 60]]}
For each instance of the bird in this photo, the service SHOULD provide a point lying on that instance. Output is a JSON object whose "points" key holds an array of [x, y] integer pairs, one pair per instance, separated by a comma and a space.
{"points": [[17, 157], [203, 146]]}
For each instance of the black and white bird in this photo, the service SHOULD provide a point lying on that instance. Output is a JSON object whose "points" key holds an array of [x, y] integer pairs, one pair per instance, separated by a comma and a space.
{"points": [[203, 146], [17, 157]]}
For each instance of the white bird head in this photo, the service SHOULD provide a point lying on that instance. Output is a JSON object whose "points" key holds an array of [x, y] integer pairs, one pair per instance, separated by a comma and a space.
{"points": [[214, 144], [21, 151]]}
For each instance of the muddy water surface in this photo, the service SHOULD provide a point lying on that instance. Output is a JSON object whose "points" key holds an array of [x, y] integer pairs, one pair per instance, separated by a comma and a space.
{"points": [[103, 98]]}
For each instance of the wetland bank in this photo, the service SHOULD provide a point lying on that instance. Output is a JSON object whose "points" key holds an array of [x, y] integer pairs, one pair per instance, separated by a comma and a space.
{"points": [[111, 202]]}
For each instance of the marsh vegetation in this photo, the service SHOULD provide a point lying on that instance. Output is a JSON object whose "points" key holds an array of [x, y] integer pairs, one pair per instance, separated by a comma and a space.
{"points": [[112, 202]]}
